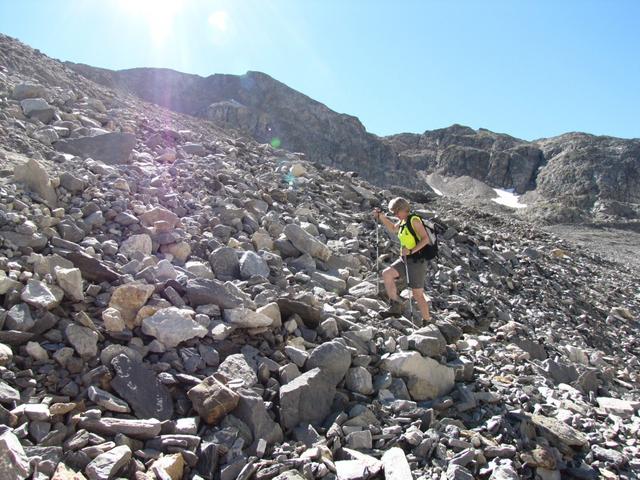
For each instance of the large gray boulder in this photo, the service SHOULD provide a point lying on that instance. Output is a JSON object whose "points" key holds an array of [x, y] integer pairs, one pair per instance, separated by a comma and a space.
{"points": [[225, 264], [202, 291], [306, 243], [307, 398], [110, 148], [252, 411], [38, 108], [332, 358]]}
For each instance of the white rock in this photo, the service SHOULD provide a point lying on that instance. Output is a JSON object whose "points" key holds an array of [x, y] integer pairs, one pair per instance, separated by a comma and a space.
{"points": [[395, 464], [297, 170], [137, 243], [272, 310], [35, 351], [200, 269], [246, 318], [113, 320], [7, 284], [70, 280], [37, 179], [172, 326], [427, 379]]}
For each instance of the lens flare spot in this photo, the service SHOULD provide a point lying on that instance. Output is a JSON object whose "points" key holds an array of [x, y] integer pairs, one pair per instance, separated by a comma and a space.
{"points": [[275, 142]]}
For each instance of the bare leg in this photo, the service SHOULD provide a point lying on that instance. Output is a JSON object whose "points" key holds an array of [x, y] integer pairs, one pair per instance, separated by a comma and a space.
{"points": [[389, 276], [423, 305]]}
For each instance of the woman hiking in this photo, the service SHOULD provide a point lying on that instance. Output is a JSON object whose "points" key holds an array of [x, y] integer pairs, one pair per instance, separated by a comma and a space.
{"points": [[414, 239]]}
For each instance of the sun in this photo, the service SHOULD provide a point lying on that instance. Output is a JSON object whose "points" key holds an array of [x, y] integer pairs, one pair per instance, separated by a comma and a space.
{"points": [[156, 15]]}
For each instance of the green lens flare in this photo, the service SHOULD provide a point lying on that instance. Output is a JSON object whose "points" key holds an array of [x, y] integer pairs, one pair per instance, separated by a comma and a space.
{"points": [[275, 142]]}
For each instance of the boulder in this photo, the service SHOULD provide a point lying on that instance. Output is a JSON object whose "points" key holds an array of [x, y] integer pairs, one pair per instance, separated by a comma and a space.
{"points": [[239, 369], [306, 243], [139, 386], [41, 295], [72, 183], [36, 178], [14, 464], [70, 280], [359, 380], [619, 407], [28, 90], [211, 292], [83, 340], [128, 299], [428, 341], [395, 464], [140, 429], [332, 358], [245, 318], [137, 244], [38, 108], [251, 264], [107, 401], [213, 400], [19, 318], [426, 378], [159, 214], [307, 398], [225, 264], [106, 465], [252, 411], [172, 326], [110, 148]]}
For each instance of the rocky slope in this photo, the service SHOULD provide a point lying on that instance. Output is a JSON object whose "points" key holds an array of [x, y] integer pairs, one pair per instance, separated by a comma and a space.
{"points": [[581, 178], [177, 302]]}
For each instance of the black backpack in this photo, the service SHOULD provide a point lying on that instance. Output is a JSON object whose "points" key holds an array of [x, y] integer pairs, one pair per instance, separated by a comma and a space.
{"points": [[430, 251]]}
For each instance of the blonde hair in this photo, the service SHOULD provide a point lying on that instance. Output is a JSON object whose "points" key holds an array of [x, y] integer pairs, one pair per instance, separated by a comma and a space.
{"points": [[398, 204]]}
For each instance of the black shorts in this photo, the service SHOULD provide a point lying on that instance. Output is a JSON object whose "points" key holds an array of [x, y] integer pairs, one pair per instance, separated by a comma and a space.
{"points": [[417, 271]]}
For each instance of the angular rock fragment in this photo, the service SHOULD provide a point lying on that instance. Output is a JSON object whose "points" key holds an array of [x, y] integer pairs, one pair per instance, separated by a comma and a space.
{"points": [[172, 326], [306, 398], [213, 400], [106, 465], [140, 387], [110, 148]]}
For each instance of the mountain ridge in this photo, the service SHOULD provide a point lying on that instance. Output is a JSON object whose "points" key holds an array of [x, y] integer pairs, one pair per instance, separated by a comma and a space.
{"points": [[267, 109]]}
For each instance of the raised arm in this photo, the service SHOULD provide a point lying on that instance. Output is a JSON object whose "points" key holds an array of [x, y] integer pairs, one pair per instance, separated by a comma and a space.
{"points": [[378, 215]]}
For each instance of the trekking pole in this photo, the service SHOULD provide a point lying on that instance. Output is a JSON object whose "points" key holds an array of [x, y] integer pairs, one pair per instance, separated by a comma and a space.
{"points": [[377, 256], [406, 269]]}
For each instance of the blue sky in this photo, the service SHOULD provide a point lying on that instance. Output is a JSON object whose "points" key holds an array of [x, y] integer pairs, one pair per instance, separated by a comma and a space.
{"points": [[528, 68]]}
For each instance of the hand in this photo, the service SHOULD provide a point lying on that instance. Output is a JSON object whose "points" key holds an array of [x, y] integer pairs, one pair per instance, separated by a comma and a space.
{"points": [[405, 252], [376, 213]]}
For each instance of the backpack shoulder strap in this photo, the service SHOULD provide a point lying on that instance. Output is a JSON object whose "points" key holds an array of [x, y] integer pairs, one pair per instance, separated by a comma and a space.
{"points": [[409, 227]]}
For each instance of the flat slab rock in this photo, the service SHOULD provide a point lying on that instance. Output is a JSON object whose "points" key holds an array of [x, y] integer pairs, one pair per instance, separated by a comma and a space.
{"points": [[140, 429], [140, 387]]}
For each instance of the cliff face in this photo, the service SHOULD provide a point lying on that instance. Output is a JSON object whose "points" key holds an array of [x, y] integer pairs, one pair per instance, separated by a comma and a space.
{"points": [[577, 177]]}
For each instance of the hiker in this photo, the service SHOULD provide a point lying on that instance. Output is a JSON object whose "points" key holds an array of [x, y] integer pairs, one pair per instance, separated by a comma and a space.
{"points": [[411, 262]]}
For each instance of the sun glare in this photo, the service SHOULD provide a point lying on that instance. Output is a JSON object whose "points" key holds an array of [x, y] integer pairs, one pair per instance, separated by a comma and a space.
{"points": [[219, 20], [157, 15]]}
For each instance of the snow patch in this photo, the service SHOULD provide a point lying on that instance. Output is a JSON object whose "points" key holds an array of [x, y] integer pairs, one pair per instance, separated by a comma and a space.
{"points": [[508, 198], [438, 192]]}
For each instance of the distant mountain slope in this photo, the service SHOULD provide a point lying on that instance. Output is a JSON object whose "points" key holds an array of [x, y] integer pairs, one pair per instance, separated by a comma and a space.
{"points": [[576, 177]]}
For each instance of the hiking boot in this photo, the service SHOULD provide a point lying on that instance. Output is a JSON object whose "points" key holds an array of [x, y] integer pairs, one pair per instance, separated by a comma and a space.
{"points": [[396, 307]]}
